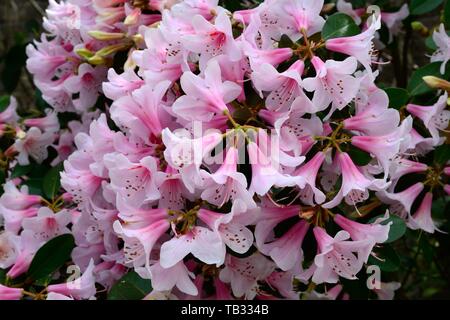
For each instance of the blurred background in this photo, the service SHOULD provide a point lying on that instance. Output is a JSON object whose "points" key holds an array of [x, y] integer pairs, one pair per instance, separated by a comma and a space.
{"points": [[20, 23]]}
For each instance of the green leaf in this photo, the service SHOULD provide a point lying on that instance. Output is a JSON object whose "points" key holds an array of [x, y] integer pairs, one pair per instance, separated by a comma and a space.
{"points": [[418, 7], [447, 15], [285, 42], [232, 5], [397, 229], [4, 103], [52, 181], [388, 260], [416, 85], [339, 25], [398, 97], [51, 256], [429, 42], [34, 186], [2, 179], [442, 154], [359, 157], [2, 276], [440, 207], [20, 171], [130, 287]]}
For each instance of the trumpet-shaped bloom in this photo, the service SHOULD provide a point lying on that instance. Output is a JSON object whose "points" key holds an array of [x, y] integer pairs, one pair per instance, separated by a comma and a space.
{"points": [[442, 40], [205, 97], [374, 232], [81, 288], [422, 219], [359, 46], [133, 181], [435, 118], [386, 147], [354, 183], [204, 244], [142, 114], [7, 293], [297, 15], [164, 279], [228, 184], [333, 83], [336, 257], [284, 87]]}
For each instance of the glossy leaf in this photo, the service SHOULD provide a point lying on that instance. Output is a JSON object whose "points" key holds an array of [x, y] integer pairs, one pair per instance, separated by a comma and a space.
{"points": [[4, 102], [397, 229], [418, 7], [339, 25], [387, 259], [130, 287], [51, 256], [416, 84], [398, 97], [52, 181]]}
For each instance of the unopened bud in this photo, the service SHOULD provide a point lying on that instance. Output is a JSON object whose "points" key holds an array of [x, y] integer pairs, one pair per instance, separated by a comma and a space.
{"points": [[138, 39], [437, 83], [419, 27], [328, 7], [96, 60], [105, 36], [84, 53], [133, 17], [109, 50]]}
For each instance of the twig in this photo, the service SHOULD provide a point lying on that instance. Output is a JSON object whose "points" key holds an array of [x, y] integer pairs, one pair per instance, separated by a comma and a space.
{"points": [[37, 7]]}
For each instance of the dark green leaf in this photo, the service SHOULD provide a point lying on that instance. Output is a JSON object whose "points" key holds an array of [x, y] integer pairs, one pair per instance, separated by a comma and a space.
{"points": [[398, 97], [34, 186], [418, 7], [447, 15], [429, 42], [442, 154], [130, 287], [51, 256], [439, 208], [66, 117], [2, 276], [397, 229], [359, 157], [387, 260], [2, 179], [339, 25], [52, 181], [285, 42], [416, 84], [4, 103], [20, 171], [358, 3], [40, 102], [232, 5]]}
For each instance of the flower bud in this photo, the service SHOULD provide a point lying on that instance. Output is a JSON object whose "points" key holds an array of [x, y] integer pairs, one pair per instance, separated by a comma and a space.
{"points": [[437, 83], [105, 36]]}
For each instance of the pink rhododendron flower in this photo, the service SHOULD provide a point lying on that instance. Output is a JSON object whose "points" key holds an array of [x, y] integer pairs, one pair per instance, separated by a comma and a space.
{"points": [[359, 46], [435, 117], [442, 41]]}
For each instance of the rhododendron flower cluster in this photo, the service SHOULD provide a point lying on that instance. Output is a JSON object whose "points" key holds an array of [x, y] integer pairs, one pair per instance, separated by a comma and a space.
{"points": [[231, 155]]}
